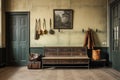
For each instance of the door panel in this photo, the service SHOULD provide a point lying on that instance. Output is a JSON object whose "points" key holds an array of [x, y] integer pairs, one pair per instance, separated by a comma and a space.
{"points": [[23, 38], [115, 35], [18, 38]]}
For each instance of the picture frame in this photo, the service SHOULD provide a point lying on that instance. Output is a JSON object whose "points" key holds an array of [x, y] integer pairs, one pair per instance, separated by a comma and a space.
{"points": [[63, 18]]}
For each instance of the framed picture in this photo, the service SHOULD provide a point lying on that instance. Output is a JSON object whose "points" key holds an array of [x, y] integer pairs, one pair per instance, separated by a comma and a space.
{"points": [[63, 18]]}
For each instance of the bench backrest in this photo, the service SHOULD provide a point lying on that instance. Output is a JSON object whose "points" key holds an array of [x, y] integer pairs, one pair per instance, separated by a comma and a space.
{"points": [[65, 51]]}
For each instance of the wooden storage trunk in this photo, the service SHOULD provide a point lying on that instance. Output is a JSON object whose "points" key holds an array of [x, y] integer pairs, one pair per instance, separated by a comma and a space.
{"points": [[34, 65]]}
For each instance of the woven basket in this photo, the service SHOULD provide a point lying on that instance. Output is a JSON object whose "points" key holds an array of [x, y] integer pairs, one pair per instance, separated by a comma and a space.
{"points": [[96, 54]]}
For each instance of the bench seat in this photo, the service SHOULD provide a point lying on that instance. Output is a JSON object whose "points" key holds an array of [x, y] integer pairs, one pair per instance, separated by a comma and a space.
{"points": [[64, 58], [67, 56]]}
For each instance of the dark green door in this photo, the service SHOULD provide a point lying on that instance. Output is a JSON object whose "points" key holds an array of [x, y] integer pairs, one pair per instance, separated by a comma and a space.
{"points": [[115, 35], [17, 27]]}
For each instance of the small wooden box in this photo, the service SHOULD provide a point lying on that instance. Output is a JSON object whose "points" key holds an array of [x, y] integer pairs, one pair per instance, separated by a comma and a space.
{"points": [[34, 65]]}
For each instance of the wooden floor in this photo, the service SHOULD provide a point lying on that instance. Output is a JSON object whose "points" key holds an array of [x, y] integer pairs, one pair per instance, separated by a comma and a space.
{"points": [[22, 73]]}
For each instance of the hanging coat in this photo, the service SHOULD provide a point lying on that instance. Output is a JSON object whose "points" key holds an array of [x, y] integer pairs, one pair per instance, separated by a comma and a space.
{"points": [[89, 40]]}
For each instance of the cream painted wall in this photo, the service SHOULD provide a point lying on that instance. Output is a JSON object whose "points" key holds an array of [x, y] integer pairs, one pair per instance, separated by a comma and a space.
{"points": [[87, 14]]}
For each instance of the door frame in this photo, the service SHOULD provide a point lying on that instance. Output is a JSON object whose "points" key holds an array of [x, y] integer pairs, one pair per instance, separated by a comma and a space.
{"points": [[6, 29]]}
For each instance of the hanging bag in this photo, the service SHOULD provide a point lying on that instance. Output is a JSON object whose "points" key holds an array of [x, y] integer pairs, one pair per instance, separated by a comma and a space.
{"points": [[36, 30]]}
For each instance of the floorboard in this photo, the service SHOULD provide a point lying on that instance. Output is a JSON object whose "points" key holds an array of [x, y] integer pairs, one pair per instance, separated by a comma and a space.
{"points": [[22, 73]]}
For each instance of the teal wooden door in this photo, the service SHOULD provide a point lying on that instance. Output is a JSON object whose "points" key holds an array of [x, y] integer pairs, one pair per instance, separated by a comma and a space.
{"points": [[115, 35], [17, 30]]}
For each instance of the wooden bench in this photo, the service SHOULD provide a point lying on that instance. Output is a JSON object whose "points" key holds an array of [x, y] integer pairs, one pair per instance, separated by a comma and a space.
{"points": [[102, 61], [65, 57]]}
